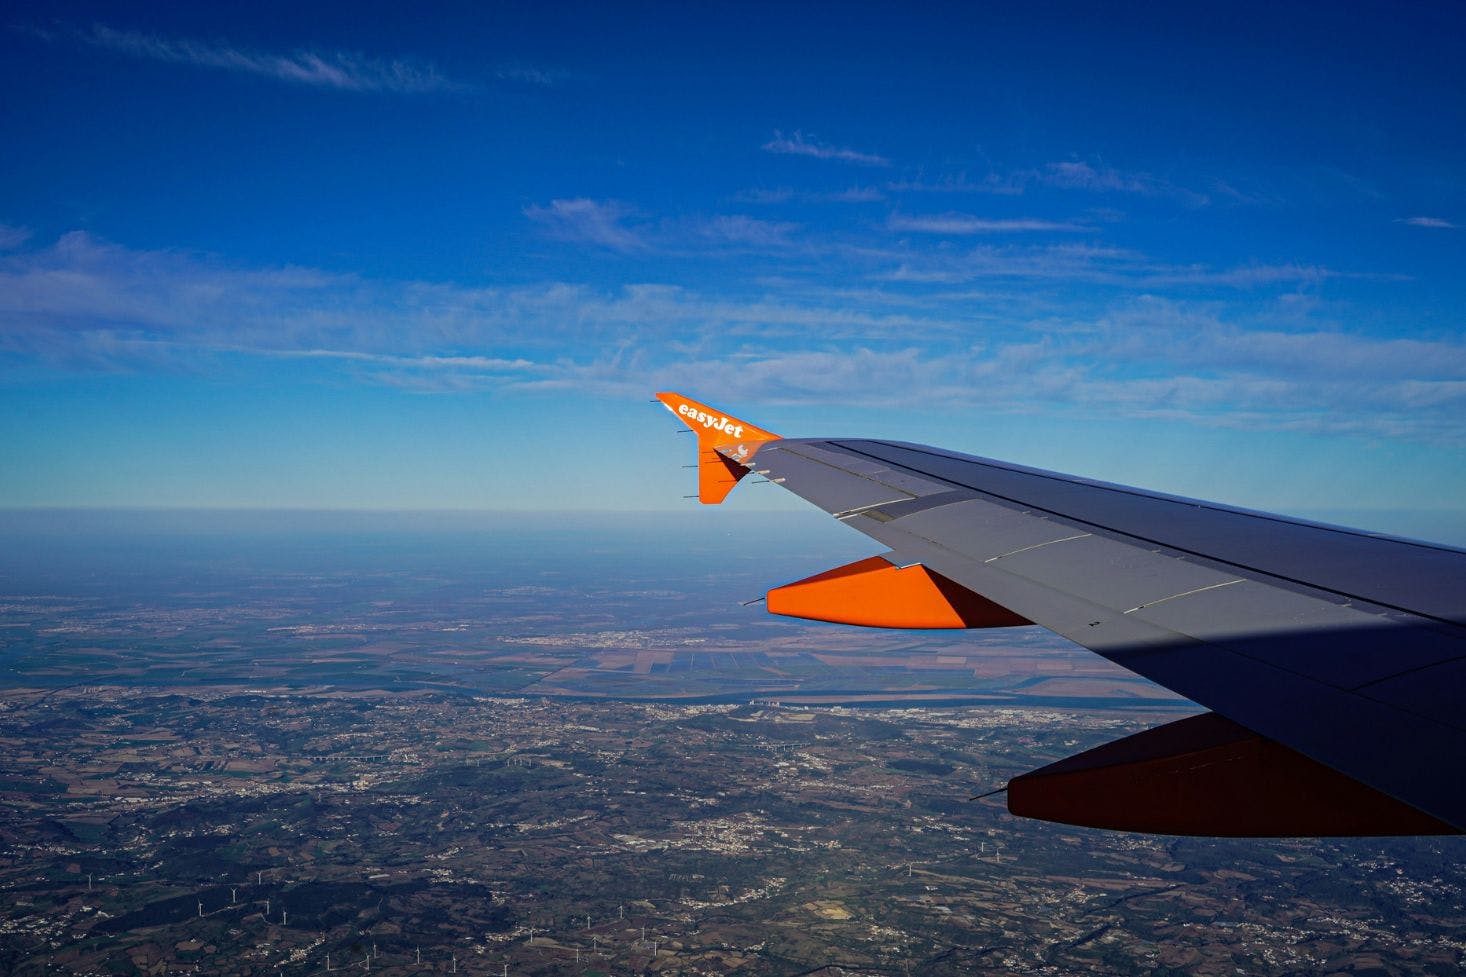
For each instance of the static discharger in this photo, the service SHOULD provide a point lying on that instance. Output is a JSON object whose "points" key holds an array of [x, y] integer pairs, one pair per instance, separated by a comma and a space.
{"points": [[875, 593], [725, 445]]}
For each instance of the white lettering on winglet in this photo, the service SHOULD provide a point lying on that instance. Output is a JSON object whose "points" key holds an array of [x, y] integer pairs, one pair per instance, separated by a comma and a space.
{"points": [[710, 421]]}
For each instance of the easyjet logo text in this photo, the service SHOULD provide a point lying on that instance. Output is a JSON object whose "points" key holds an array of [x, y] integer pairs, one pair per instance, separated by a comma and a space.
{"points": [[714, 423]]}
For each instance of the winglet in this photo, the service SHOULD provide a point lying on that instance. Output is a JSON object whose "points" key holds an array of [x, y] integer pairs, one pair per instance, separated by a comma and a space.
{"points": [[724, 445]]}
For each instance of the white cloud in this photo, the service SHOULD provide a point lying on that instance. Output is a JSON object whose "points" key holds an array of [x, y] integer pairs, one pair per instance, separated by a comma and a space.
{"points": [[1244, 276], [1079, 175], [740, 230], [81, 304], [781, 195], [797, 144], [339, 70], [963, 224], [767, 195], [994, 183], [486, 363], [593, 221], [852, 195], [529, 74], [12, 237], [612, 225], [85, 303], [1059, 262], [1093, 264], [1063, 175], [1439, 222]]}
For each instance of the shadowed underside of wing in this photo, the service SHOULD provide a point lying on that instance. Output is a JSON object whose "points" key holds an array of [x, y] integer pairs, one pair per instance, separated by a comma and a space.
{"points": [[1337, 658]]}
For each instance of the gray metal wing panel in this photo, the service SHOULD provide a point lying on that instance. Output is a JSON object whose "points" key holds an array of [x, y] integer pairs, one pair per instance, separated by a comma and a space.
{"points": [[1435, 691], [838, 481], [1112, 573], [1330, 642], [987, 530], [1422, 578], [832, 489], [1202, 610], [895, 477]]}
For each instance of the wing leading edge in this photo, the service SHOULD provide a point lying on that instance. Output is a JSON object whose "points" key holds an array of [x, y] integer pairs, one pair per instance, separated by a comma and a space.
{"points": [[1334, 661]]}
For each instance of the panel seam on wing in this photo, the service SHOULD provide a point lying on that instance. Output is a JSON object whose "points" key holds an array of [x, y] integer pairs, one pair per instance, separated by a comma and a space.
{"points": [[863, 509], [1025, 549], [1126, 490], [1124, 534], [872, 477], [1186, 593]]}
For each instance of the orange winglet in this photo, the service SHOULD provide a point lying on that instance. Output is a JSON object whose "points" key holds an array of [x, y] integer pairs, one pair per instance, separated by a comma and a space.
{"points": [[724, 445], [875, 593]]}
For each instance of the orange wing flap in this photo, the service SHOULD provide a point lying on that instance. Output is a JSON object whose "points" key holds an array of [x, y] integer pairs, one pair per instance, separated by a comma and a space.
{"points": [[875, 593]]}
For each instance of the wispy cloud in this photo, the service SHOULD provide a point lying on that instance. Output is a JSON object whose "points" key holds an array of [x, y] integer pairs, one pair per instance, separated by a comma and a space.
{"points": [[615, 226], [1079, 175], [852, 195], [964, 224], [340, 70], [82, 304], [1242, 276], [1439, 222], [994, 183], [12, 237], [89, 303], [1091, 264], [1082, 176], [598, 222], [780, 195], [528, 74], [491, 363], [741, 230], [1062, 175], [797, 144], [768, 195]]}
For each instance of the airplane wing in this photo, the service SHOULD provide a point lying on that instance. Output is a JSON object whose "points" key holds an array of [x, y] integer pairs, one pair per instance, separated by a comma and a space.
{"points": [[1333, 661]]}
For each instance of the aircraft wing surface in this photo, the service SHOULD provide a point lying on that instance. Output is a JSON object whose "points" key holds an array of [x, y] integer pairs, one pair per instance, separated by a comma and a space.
{"points": [[1333, 661]]}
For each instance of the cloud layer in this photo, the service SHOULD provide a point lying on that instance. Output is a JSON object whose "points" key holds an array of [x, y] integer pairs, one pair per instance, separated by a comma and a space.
{"points": [[797, 144], [340, 70], [84, 304], [1437, 222]]}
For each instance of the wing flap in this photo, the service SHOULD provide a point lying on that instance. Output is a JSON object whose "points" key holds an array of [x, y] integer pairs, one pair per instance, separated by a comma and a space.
{"points": [[1206, 775]]}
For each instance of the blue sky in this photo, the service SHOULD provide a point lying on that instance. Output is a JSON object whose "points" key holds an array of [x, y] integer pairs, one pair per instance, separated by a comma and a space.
{"points": [[371, 256]]}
